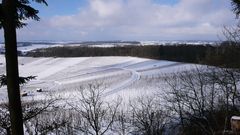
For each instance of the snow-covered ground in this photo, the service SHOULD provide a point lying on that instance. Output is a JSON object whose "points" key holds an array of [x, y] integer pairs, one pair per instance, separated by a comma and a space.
{"points": [[127, 77]]}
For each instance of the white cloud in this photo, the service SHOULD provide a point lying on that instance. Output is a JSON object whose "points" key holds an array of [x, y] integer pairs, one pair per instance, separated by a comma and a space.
{"points": [[105, 8], [136, 20]]}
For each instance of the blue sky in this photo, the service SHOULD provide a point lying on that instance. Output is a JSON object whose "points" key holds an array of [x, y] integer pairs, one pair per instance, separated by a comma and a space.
{"points": [[60, 7], [84, 20], [64, 7]]}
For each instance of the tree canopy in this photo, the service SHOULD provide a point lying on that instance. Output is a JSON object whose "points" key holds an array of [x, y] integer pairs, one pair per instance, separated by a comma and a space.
{"points": [[24, 12]]}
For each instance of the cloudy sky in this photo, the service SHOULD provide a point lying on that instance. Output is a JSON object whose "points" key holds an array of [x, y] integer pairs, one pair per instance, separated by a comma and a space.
{"points": [[84, 20]]}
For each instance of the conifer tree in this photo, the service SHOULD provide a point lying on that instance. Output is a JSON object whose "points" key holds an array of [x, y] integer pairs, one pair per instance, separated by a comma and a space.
{"points": [[12, 16]]}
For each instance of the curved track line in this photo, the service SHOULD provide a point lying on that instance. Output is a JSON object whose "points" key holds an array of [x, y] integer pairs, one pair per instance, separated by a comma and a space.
{"points": [[134, 77]]}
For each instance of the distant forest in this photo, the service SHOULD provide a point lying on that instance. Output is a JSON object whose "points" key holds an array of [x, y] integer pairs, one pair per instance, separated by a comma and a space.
{"points": [[223, 55]]}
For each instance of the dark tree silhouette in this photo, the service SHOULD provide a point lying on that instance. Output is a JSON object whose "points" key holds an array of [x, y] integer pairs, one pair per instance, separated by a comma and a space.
{"points": [[22, 80], [236, 7], [12, 15]]}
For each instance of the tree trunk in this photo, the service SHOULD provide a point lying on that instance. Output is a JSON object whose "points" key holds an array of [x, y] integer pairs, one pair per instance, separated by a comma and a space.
{"points": [[8, 130], [9, 26]]}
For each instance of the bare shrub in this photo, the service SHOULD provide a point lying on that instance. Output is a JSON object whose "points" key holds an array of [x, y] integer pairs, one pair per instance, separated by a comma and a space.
{"points": [[122, 123], [95, 116], [203, 99], [54, 121], [148, 118], [32, 110]]}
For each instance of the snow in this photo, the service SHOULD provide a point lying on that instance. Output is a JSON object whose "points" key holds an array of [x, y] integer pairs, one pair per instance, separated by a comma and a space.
{"points": [[36, 46], [31, 45], [127, 77], [179, 42], [135, 76], [235, 118]]}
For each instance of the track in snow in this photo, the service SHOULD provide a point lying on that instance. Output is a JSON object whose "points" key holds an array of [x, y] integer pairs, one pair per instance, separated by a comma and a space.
{"points": [[134, 77], [56, 74]]}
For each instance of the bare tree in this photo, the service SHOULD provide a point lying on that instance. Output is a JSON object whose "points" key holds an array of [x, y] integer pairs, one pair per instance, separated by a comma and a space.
{"points": [[53, 121], [204, 98], [5, 119], [148, 118], [32, 110], [122, 123], [236, 7], [188, 97], [96, 115], [174, 95]]}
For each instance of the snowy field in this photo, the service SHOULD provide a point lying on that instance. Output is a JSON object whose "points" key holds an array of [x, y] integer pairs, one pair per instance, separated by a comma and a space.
{"points": [[127, 77]]}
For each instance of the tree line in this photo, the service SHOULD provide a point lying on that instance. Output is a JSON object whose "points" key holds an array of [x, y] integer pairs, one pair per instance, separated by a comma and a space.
{"points": [[222, 55]]}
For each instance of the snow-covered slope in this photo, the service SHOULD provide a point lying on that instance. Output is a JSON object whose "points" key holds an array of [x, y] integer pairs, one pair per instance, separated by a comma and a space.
{"points": [[119, 75]]}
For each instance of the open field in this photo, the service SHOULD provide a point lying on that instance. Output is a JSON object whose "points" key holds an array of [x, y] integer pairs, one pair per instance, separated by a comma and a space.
{"points": [[127, 77], [78, 89]]}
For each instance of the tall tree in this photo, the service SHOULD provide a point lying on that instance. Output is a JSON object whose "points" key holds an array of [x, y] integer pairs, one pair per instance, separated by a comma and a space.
{"points": [[12, 15]]}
